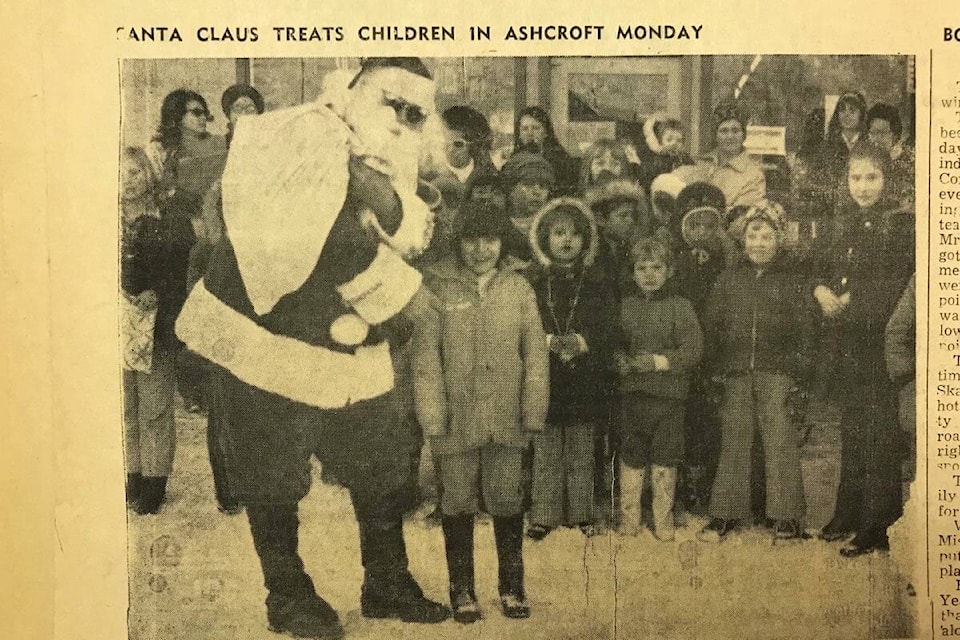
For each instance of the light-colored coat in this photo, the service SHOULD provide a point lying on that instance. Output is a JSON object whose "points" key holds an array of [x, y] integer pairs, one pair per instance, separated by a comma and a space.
{"points": [[481, 369], [741, 178]]}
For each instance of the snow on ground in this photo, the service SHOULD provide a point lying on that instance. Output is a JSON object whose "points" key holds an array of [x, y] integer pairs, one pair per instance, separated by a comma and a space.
{"points": [[194, 573]]}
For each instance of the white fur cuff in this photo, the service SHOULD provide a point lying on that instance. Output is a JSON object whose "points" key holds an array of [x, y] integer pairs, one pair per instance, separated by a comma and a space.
{"points": [[383, 289]]}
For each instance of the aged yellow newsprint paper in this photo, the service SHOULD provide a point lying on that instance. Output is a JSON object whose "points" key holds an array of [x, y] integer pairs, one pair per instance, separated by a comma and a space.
{"points": [[446, 320]]}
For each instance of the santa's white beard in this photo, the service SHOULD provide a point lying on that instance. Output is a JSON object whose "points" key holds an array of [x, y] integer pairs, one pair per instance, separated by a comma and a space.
{"points": [[396, 155]]}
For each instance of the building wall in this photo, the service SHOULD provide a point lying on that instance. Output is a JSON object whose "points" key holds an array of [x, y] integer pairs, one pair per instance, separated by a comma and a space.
{"points": [[781, 91]]}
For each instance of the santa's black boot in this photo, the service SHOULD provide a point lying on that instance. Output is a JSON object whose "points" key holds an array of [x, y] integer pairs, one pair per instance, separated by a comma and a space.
{"points": [[508, 533], [293, 606], [134, 486], [458, 541], [389, 591], [153, 492]]}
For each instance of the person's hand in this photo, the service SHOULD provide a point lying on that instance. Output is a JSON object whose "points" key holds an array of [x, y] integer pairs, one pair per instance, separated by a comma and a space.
{"points": [[199, 228], [567, 346], [830, 303], [423, 307], [146, 301], [644, 363], [555, 344]]}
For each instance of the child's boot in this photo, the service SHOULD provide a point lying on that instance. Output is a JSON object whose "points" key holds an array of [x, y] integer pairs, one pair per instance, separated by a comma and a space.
{"points": [[664, 481], [458, 541], [508, 534], [631, 487]]}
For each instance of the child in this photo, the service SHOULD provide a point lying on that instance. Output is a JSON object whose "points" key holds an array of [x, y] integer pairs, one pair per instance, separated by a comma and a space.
{"points": [[481, 389], [527, 181], [756, 330], [604, 160], [577, 309], [150, 292], [705, 249], [662, 148], [663, 344], [623, 216], [862, 267]]}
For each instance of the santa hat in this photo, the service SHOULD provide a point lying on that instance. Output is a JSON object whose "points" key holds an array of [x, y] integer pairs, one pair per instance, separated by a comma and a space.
{"points": [[412, 65]]}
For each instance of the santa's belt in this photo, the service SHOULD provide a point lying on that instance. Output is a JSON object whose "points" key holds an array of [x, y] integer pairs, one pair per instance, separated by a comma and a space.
{"points": [[311, 374]]}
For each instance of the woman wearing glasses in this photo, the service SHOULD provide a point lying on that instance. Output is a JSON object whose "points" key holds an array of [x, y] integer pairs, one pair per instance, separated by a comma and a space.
{"points": [[184, 154], [182, 134], [187, 159]]}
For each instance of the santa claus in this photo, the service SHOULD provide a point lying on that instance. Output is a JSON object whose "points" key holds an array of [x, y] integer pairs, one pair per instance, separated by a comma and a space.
{"points": [[322, 212]]}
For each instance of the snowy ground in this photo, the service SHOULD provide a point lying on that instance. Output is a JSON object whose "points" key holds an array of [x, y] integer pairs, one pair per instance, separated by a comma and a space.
{"points": [[194, 573]]}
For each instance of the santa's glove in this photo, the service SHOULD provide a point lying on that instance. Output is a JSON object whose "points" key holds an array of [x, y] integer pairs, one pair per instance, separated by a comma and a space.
{"points": [[424, 307]]}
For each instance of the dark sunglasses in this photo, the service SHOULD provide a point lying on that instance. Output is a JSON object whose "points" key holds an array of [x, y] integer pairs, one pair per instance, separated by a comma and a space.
{"points": [[200, 113], [459, 144], [409, 114]]}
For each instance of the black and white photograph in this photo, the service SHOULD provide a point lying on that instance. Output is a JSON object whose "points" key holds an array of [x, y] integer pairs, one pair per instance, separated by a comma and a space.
{"points": [[519, 347]]}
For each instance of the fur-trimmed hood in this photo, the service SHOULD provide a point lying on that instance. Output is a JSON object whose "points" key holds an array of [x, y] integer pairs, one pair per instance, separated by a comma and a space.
{"points": [[533, 236], [664, 192], [620, 189], [649, 135]]}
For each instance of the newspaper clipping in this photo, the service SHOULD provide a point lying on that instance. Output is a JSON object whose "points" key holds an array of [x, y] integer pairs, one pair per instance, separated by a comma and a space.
{"points": [[563, 324]]}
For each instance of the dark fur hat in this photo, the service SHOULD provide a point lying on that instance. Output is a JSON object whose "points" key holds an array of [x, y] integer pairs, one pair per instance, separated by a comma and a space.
{"points": [[238, 91]]}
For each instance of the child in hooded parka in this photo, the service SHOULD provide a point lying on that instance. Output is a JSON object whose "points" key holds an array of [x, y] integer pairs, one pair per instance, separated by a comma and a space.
{"points": [[481, 389], [578, 313], [661, 150], [623, 217]]}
